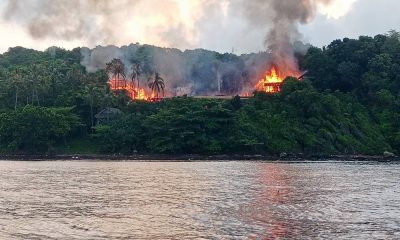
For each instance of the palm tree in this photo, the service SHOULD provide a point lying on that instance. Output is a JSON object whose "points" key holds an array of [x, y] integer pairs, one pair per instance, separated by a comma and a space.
{"points": [[116, 70], [136, 71], [17, 81], [156, 84], [35, 84], [89, 94]]}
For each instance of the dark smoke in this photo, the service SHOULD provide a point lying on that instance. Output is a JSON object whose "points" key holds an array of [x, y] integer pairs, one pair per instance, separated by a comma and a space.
{"points": [[282, 19]]}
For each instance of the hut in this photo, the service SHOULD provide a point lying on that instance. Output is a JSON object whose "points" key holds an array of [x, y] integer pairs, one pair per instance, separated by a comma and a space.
{"points": [[107, 115]]}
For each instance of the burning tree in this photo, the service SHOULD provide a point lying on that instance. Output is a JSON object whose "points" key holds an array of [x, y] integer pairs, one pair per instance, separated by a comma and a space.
{"points": [[136, 71], [116, 72], [117, 75], [116, 69], [156, 84]]}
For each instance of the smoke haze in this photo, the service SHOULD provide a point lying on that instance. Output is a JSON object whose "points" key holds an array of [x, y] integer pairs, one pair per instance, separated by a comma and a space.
{"points": [[175, 23], [168, 23], [94, 22]]}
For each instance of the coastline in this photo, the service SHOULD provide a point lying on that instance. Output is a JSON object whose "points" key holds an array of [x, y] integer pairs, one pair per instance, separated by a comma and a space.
{"points": [[195, 157]]}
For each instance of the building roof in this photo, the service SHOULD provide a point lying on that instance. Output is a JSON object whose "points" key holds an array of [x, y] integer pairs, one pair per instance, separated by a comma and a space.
{"points": [[108, 112]]}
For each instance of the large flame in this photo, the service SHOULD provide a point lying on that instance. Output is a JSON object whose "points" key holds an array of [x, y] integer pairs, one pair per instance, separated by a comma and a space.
{"points": [[133, 91], [271, 83], [273, 80]]}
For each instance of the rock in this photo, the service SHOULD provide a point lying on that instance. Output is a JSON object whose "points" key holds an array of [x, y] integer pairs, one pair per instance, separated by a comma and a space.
{"points": [[389, 154]]}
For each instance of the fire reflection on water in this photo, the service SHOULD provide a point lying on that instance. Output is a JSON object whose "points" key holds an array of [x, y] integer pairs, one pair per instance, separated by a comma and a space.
{"points": [[199, 200], [273, 196]]}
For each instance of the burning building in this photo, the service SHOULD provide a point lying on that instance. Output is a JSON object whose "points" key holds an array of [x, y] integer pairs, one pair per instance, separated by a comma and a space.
{"points": [[192, 72], [271, 83], [273, 80], [118, 82], [129, 87]]}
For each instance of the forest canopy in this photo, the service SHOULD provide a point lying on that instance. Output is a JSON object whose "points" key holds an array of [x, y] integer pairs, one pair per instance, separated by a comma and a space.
{"points": [[348, 103]]}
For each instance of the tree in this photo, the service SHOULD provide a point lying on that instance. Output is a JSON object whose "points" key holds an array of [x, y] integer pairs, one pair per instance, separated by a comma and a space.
{"points": [[116, 69], [36, 129], [17, 81], [156, 84], [35, 82], [89, 96], [136, 72], [349, 101]]}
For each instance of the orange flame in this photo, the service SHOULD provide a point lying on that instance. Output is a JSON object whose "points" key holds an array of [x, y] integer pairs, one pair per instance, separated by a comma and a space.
{"points": [[271, 83], [141, 94], [133, 92]]}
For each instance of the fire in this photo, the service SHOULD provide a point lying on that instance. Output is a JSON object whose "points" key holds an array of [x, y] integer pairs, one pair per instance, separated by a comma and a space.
{"points": [[271, 83], [133, 92], [142, 94]]}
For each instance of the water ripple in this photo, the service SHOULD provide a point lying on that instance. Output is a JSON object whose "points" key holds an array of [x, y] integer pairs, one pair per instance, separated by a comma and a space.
{"points": [[204, 200]]}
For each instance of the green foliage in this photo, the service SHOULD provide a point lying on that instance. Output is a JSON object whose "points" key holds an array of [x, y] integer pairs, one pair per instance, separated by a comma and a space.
{"points": [[299, 120], [82, 145], [348, 103], [36, 129], [369, 69], [54, 78], [123, 136]]}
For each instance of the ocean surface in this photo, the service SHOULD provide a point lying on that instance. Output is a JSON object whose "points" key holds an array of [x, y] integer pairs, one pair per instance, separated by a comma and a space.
{"points": [[199, 200]]}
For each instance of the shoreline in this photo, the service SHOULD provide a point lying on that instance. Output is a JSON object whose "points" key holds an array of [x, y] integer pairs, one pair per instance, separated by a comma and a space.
{"points": [[195, 157]]}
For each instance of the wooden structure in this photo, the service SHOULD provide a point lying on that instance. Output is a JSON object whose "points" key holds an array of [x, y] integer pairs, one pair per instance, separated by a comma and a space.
{"points": [[124, 85], [107, 115], [272, 87]]}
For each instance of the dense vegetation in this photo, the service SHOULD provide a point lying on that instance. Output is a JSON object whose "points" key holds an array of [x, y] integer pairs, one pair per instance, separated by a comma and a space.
{"points": [[349, 103]]}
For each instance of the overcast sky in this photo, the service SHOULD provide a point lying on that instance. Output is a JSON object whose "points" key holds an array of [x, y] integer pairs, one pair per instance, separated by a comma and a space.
{"points": [[185, 24]]}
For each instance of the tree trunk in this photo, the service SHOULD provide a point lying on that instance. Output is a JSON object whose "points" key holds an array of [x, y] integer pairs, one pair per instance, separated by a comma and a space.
{"points": [[91, 115], [33, 96], [16, 99], [37, 98]]}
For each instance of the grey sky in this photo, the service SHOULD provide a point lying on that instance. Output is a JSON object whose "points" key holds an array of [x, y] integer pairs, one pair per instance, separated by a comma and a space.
{"points": [[367, 17]]}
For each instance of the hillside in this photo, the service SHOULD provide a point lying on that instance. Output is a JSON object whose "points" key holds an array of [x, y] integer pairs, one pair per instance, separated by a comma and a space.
{"points": [[348, 103]]}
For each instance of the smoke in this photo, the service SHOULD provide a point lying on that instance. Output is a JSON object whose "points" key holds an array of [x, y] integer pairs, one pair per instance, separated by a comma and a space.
{"points": [[96, 59], [67, 20], [192, 72], [175, 23], [119, 22], [199, 72], [281, 19], [185, 24]]}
